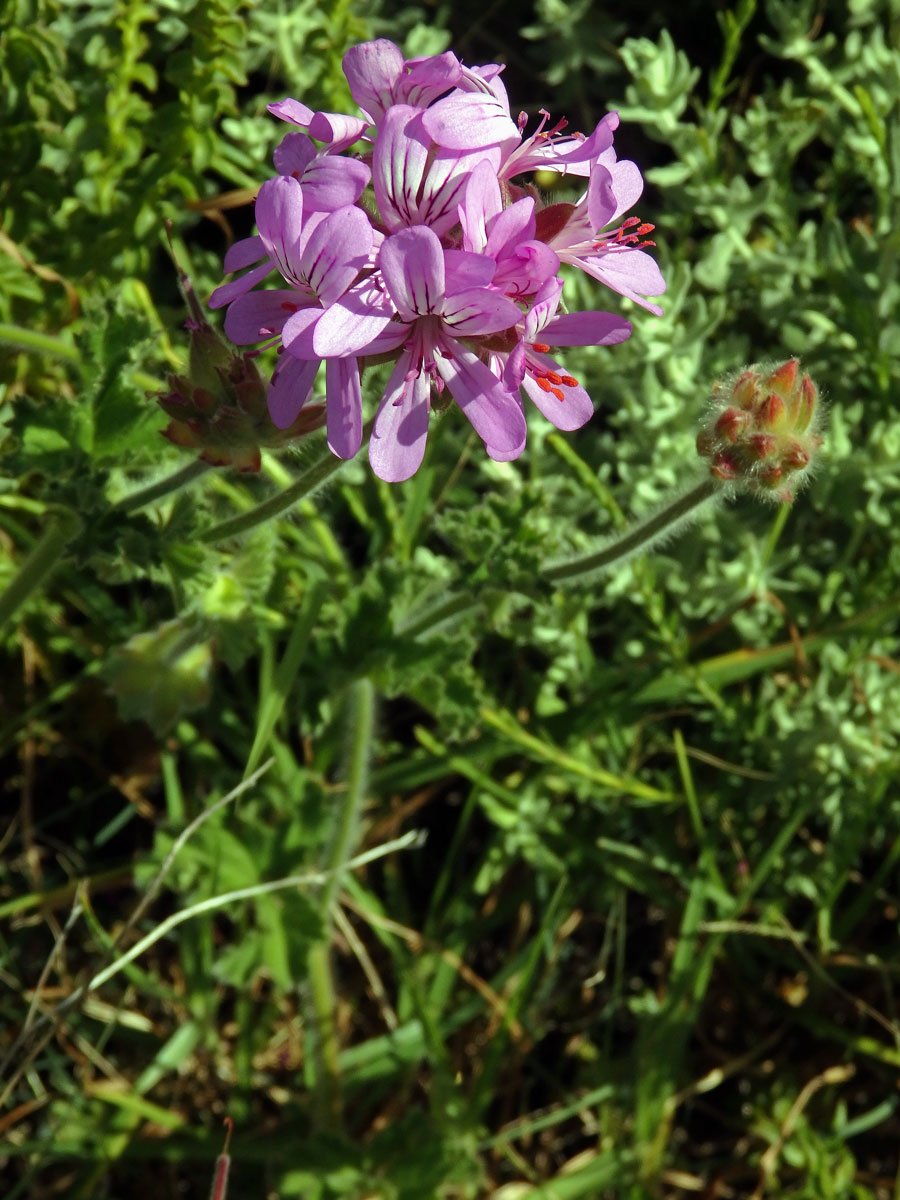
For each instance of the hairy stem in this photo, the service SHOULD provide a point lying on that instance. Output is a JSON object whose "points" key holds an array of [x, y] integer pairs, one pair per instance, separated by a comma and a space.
{"points": [[155, 491], [639, 537], [279, 503]]}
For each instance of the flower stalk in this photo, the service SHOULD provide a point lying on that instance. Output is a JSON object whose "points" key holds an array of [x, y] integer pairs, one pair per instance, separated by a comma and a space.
{"points": [[162, 487], [642, 536], [306, 483]]}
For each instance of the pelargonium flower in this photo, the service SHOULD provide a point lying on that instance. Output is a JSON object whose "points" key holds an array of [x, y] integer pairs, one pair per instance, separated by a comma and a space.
{"points": [[407, 233], [440, 297]]}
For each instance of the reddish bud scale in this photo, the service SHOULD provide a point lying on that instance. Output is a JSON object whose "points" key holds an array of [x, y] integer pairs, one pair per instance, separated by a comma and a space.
{"points": [[218, 408], [762, 429]]}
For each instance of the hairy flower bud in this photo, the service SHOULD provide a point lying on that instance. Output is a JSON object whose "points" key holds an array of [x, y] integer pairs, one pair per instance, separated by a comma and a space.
{"points": [[762, 430], [219, 406]]}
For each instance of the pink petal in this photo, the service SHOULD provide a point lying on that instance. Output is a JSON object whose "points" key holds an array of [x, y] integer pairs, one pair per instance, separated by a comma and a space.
{"points": [[586, 329], [259, 315], [343, 406], [426, 78], [293, 111], [627, 185], [297, 335], [465, 269], [331, 181], [398, 439], [470, 120], [494, 412], [294, 154], [412, 265], [543, 308], [372, 69], [602, 202], [569, 413], [632, 273], [479, 311], [230, 291], [290, 388], [336, 130], [279, 218], [337, 252], [353, 321], [482, 202], [243, 253]]}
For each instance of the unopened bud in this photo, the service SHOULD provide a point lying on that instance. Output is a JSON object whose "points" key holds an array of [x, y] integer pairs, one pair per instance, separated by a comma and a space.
{"points": [[218, 406], [762, 429], [229, 421]]}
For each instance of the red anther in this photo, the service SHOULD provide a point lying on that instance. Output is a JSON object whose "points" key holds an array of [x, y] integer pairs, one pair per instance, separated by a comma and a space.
{"points": [[540, 347], [553, 377], [645, 228], [557, 392], [569, 381], [630, 222], [542, 384]]}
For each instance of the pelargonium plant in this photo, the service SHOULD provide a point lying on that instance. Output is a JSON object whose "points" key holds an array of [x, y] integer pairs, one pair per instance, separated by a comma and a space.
{"points": [[409, 234]]}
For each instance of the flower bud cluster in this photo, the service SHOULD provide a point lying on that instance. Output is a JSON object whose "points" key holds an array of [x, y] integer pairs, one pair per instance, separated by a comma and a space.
{"points": [[762, 431], [219, 405]]}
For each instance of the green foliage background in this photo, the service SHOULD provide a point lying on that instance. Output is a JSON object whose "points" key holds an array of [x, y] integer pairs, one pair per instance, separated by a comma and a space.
{"points": [[649, 944]]}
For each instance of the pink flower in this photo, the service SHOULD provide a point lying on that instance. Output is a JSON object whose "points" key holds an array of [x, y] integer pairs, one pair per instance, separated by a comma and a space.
{"points": [[448, 265], [440, 296]]}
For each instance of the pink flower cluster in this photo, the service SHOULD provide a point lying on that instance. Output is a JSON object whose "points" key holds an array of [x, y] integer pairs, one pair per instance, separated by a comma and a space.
{"points": [[427, 249]]}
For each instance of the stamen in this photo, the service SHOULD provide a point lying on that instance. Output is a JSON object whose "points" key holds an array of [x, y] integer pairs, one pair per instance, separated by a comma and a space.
{"points": [[622, 239], [540, 347]]}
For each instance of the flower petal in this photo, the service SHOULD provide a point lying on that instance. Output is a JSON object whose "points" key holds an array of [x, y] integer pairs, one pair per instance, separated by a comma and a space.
{"points": [[479, 311], [293, 154], [572, 411], [279, 218], [293, 111], [259, 315], [352, 322], [398, 438], [494, 413], [344, 406], [331, 181], [372, 69], [237, 287], [470, 121], [632, 273], [290, 389], [586, 329], [336, 252], [412, 265], [243, 253]]}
